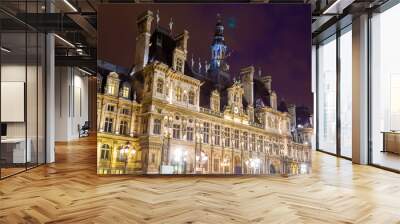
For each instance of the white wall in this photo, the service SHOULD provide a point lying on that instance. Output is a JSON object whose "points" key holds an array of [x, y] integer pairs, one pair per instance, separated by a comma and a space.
{"points": [[33, 126], [71, 102]]}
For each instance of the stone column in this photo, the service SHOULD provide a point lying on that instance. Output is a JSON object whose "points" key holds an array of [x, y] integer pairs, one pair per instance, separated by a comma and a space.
{"points": [[103, 117], [132, 126], [118, 120]]}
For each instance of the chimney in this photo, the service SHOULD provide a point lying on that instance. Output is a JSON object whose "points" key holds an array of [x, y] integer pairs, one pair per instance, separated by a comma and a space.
{"points": [[267, 80], [247, 75], [143, 39], [181, 40]]}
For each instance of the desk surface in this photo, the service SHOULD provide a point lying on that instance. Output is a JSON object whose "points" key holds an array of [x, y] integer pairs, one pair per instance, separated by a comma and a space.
{"points": [[13, 140], [390, 132]]}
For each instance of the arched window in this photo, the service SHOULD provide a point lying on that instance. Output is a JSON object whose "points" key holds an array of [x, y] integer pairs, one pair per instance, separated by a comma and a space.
{"points": [[157, 127], [191, 97], [105, 152], [123, 127], [160, 86], [108, 123], [178, 94]]}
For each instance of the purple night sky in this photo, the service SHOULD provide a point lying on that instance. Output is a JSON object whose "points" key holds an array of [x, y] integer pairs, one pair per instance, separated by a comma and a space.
{"points": [[275, 38]]}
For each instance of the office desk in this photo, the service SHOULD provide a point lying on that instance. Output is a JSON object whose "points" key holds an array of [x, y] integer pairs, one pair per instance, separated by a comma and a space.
{"points": [[391, 141], [13, 150]]}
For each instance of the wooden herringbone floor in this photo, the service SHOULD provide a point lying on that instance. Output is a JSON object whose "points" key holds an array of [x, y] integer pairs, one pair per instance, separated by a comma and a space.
{"points": [[69, 191]]}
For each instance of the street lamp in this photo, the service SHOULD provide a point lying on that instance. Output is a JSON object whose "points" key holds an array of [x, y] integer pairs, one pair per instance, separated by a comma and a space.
{"points": [[253, 163], [127, 153], [202, 159]]}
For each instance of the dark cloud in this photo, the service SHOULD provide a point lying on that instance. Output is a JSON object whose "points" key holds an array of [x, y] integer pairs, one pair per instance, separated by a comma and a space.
{"points": [[276, 38]]}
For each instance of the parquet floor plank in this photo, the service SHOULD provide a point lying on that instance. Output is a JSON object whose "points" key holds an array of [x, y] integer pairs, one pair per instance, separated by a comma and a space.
{"points": [[70, 191]]}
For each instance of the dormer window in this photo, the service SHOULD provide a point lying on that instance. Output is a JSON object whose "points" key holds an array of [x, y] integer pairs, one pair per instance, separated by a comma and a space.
{"points": [[179, 65], [125, 91], [112, 84]]}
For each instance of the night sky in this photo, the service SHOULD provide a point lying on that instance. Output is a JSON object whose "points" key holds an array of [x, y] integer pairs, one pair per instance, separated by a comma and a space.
{"points": [[275, 38]]}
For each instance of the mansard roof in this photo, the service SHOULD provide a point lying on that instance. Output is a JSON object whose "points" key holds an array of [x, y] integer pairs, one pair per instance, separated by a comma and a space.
{"points": [[162, 46], [283, 106], [261, 94]]}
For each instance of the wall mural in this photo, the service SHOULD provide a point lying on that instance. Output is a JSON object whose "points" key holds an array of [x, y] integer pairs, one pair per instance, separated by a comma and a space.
{"points": [[187, 89]]}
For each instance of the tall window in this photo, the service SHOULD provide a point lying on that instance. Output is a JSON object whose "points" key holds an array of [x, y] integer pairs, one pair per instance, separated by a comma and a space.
{"points": [[105, 152], [253, 142], [327, 95], [125, 91], [176, 131], [144, 125], [178, 94], [236, 139], [206, 132], [245, 141], [227, 137], [157, 127], [346, 93], [123, 128], [160, 86], [189, 134], [217, 134], [385, 88], [191, 97], [108, 124], [260, 143]]}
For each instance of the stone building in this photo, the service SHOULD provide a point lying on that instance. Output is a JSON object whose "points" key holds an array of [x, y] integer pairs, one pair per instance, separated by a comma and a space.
{"points": [[175, 115]]}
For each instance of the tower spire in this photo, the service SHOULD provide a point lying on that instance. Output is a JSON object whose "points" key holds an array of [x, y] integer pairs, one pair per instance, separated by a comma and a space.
{"points": [[218, 47], [158, 17], [170, 25]]}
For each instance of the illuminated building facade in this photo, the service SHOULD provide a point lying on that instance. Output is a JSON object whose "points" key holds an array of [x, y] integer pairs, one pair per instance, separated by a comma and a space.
{"points": [[172, 115]]}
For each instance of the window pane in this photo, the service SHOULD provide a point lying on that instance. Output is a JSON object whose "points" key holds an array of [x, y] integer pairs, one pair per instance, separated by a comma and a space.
{"points": [[14, 153], [346, 94], [385, 88], [327, 96]]}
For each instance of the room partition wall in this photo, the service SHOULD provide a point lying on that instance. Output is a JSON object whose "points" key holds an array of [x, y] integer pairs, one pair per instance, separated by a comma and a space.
{"points": [[22, 92]]}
